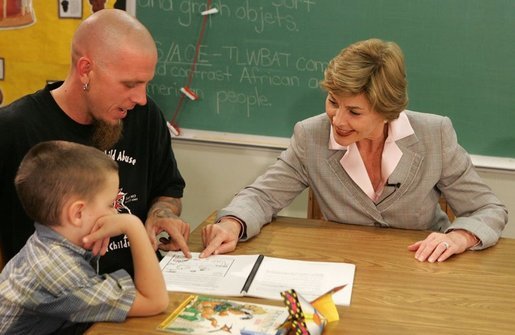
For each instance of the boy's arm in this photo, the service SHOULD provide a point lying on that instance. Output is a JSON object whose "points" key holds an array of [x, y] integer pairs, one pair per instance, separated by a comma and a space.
{"points": [[151, 295]]}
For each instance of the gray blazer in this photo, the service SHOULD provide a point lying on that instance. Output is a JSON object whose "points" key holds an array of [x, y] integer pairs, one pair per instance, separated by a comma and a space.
{"points": [[432, 163]]}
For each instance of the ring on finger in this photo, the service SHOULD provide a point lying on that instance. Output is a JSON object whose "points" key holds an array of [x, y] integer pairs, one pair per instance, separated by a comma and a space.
{"points": [[446, 245]]}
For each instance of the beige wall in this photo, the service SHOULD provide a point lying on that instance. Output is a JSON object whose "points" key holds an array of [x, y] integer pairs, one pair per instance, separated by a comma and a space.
{"points": [[214, 172]]}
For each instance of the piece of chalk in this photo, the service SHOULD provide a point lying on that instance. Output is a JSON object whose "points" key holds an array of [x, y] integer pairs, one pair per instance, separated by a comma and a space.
{"points": [[172, 129], [189, 93], [210, 11]]}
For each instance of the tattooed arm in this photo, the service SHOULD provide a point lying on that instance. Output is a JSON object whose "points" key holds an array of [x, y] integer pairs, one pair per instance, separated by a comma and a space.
{"points": [[163, 216]]}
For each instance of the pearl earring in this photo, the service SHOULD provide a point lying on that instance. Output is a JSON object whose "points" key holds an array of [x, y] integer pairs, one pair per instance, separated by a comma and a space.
{"points": [[85, 87]]}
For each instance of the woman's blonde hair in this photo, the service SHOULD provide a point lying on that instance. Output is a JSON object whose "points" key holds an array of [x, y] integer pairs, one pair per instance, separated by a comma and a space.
{"points": [[375, 68]]}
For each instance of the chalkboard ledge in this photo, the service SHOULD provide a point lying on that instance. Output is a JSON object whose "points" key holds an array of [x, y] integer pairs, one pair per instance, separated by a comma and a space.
{"points": [[496, 163], [232, 138], [259, 141]]}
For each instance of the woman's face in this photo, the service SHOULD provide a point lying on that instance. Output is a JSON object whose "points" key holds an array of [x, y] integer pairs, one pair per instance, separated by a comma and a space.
{"points": [[353, 119]]}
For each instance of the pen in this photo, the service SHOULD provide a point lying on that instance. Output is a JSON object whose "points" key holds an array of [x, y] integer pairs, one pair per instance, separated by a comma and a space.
{"points": [[252, 274]]}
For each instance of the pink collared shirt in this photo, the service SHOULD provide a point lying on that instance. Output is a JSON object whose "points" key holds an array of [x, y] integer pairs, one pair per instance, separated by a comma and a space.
{"points": [[353, 164]]}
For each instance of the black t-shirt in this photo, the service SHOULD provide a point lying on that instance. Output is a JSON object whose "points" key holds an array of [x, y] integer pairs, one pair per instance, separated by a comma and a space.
{"points": [[147, 165]]}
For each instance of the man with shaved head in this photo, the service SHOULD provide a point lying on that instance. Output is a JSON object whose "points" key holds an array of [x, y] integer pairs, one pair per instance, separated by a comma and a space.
{"points": [[102, 103]]}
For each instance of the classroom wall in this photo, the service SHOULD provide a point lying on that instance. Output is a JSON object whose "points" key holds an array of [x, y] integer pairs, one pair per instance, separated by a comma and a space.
{"points": [[215, 172], [33, 54]]}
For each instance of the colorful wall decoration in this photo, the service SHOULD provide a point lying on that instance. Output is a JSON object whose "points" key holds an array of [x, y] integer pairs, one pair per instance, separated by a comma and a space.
{"points": [[35, 39]]}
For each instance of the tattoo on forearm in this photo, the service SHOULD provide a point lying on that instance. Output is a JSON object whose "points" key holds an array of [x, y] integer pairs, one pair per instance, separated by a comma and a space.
{"points": [[163, 213], [166, 207]]}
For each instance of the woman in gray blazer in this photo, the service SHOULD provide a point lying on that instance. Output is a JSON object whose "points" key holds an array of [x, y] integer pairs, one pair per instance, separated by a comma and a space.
{"points": [[369, 161]]}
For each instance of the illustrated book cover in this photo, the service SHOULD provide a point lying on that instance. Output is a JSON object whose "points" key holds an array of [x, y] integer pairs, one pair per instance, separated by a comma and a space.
{"points": [[201, 315]]}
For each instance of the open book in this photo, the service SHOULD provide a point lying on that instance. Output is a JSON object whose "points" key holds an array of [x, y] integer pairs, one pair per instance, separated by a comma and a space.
{"points": [[256, 275], [201, 315]]}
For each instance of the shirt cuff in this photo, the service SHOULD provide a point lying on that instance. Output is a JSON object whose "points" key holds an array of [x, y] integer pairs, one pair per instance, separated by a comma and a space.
{"points": [[477, 239], [243, 226]]}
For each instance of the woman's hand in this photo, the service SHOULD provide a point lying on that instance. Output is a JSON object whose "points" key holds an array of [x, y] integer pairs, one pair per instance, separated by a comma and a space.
{"points": [[220, 238], [437, 247]]}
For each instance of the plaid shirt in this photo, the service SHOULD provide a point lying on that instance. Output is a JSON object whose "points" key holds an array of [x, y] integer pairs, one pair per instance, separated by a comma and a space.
{"points": [[51, 284]]}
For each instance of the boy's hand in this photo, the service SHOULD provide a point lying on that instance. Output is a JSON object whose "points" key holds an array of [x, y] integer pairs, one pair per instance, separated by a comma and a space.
{"points": [[105, 227]]}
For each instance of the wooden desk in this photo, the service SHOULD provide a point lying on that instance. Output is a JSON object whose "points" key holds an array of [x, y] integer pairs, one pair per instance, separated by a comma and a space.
{"points": [[472, 293]]}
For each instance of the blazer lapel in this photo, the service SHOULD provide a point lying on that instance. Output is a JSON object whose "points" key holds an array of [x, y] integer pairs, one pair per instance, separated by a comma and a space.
{"points": [[405, 172], [350, 187]]}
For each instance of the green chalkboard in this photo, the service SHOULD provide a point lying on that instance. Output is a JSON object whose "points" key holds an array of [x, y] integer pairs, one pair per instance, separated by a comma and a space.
{"points": [[260, 61]]}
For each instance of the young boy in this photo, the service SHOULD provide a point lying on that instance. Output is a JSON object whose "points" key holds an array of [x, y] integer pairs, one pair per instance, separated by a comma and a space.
{"points": [[51, 285]]}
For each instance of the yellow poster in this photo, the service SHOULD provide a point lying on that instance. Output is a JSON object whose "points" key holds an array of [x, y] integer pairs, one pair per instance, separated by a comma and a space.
{"points": [[35, 39]]}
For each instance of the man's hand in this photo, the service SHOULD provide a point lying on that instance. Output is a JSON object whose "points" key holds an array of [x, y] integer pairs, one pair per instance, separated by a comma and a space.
{"points": [[164, 217], [221, 237]]}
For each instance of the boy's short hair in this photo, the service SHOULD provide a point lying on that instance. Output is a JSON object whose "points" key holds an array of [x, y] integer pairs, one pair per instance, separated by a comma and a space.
{"points": [[53, 171]]}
